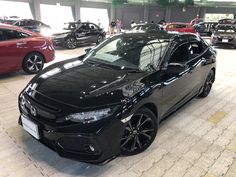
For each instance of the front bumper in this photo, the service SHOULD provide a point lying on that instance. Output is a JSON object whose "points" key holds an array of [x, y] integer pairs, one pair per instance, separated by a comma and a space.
{"points": [[97, 147]]}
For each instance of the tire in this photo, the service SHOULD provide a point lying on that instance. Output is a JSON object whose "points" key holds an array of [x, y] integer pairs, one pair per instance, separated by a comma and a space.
{"points": [[139, 132], [70, 43], [33, 63], [208, 84], [99, 39]]}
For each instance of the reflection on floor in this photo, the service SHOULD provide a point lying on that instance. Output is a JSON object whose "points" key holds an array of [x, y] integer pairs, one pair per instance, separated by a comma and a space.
{"points": [[198, 140]]}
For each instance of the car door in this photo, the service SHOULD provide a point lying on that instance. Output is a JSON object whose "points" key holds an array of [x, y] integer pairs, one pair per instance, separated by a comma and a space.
{"points": [[12, 49], [93, 31], [82, 33], [176, 78], [196, 63]]}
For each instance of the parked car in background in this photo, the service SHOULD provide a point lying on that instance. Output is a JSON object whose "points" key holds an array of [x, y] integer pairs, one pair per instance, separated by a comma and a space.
{"points": [[180, 27], [78, 34], [147, 27], [205, 28], [225, 34], [34, 25], [227, 21], [23, 49], [112, 100], [10, 20]]}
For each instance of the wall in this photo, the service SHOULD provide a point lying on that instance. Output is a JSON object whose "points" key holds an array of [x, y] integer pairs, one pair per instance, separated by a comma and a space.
{"points": [[156, 14], [129, 13], [178, 15], [136, 12]]}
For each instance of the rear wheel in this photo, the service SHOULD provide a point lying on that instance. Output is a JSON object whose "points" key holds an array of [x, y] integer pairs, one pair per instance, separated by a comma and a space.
{"points": [[99, 39], [33, 63], [208, 84], [70, 43], [139, 133]]}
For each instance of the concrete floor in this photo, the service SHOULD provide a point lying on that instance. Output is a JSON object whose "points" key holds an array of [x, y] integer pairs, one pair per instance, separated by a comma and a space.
{"points": [[197, 141]]}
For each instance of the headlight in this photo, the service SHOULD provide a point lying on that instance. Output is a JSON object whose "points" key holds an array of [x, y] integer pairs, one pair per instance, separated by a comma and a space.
{"points": [[91, 116]]}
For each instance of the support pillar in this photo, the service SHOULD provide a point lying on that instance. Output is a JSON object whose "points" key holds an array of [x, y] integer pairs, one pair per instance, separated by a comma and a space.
{"points": [[113, 12], [77, 10], [146, 13], [36, 9]]}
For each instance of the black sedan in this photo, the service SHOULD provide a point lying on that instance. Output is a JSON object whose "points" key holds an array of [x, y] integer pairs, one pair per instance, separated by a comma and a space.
{"points": [[78, 34], [111, 100], [225, 34]]}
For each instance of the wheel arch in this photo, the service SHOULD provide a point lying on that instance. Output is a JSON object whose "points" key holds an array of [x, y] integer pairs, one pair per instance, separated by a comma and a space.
{"points": [[152, 107]]}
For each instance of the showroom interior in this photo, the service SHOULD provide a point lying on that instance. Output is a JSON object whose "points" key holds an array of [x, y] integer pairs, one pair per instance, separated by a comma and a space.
{"points": [[117, 88]]}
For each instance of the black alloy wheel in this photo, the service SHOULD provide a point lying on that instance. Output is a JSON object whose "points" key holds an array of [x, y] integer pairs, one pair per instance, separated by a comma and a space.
{"points": [[99, 39], [139, 132], [208, 84], [33, 63], [70, 43]]}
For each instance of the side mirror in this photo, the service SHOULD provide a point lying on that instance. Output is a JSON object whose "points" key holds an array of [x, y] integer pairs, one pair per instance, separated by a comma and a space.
{"points": [[87, 50], [174, 68]]}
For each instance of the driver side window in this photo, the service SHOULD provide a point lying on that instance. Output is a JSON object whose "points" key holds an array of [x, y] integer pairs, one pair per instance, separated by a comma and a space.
{"points": [[181, 54]]}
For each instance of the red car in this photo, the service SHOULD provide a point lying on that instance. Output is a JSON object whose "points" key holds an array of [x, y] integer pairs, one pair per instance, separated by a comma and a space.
{"points": [[22, 49], [181, 28]]}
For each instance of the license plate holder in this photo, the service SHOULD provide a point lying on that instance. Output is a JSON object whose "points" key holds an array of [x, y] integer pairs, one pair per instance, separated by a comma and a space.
{"points": [[225, 40], [30, 127]]}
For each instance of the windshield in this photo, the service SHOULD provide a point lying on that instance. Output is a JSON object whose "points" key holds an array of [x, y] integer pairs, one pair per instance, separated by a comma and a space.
{"points": [[126, 52], [226, 29]]}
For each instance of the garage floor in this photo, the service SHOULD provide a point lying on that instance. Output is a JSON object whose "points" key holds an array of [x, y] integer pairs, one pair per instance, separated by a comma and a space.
{"points": [[198, 140]]}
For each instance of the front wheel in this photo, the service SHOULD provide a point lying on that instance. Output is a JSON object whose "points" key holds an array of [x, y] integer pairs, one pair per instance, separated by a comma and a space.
{"points": [[139, 133], [208, 84], [70, 43], [33, 63]]}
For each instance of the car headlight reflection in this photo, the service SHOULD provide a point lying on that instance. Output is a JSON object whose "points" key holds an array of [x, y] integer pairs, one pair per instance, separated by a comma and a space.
{"points": [[91, 116]]}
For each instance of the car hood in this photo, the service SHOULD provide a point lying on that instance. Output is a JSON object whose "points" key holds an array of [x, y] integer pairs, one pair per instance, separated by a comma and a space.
{"points": [[84, 85]]}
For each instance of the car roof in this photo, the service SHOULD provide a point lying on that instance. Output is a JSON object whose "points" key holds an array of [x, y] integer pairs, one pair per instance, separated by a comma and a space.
{"points": [[233, 25], [148, 24], [161, 35], [180, 23]]}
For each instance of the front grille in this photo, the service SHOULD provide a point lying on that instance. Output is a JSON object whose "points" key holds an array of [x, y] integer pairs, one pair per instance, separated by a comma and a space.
{"points": [[42, 111]]}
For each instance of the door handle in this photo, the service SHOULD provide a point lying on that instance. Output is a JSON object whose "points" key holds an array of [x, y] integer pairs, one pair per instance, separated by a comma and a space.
{"points": [[204, 60], [20, 43]]}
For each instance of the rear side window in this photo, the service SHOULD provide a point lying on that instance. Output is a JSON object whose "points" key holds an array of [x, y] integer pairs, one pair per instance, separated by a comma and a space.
{"points": [[11, 35], [196, 48], [1, 35], [92, 26]]}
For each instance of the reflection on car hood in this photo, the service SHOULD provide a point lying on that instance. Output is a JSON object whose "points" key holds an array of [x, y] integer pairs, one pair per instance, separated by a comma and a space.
{"points": [[85, 85]]}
